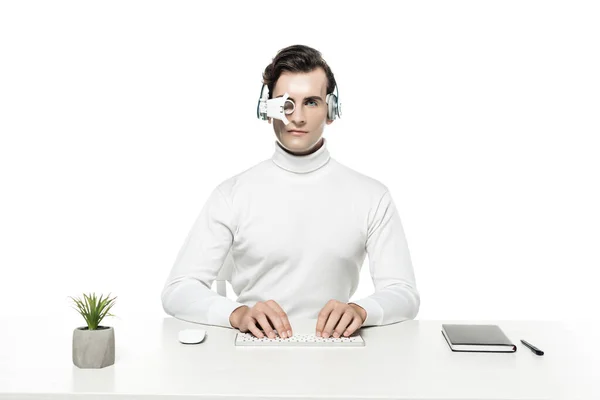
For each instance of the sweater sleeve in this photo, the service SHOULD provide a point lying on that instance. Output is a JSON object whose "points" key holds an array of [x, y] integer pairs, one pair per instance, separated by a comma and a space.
{"points": [[187, 294], [396, 297]]}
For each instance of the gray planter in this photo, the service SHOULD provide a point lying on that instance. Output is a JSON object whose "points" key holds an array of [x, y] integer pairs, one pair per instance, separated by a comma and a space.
{"points": [[94, 348]]}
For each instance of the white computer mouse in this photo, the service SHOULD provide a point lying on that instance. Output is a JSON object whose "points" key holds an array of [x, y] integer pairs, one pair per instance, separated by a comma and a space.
{"points": [[191, 336]]}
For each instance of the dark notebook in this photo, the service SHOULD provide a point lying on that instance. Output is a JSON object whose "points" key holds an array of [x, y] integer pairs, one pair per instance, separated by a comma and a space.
{"points": [[479, 338]]}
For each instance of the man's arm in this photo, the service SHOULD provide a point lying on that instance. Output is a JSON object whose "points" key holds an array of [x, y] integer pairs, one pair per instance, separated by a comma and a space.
{"points": [[187, 294], [396, 297]]}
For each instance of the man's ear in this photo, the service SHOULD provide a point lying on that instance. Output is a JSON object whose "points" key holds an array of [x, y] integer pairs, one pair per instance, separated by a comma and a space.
{"points": [[329, 121], [269, 120]]}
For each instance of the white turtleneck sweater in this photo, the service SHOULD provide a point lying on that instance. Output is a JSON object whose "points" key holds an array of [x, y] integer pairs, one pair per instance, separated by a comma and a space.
{"points": [[298, 229]]}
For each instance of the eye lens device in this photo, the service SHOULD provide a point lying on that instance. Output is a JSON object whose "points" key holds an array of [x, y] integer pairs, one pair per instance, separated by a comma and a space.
{"points": [[289, 106], [278, 107]]}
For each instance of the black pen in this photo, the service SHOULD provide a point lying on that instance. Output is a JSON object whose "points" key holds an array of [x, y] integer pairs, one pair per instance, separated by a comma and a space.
{"points": [[533, 348]]}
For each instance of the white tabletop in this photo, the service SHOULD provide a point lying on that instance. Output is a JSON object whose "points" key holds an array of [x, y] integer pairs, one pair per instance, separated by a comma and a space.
{"points": [[408, 360]]}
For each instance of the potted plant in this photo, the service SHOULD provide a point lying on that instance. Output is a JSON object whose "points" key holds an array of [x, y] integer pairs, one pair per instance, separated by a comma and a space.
{"points": [[94, 344]]}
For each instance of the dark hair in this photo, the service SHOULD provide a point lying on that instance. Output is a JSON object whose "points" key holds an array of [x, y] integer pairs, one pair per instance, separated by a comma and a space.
{"points": [[296, 58]]}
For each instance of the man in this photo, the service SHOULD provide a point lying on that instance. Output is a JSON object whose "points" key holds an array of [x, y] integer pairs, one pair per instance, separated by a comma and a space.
{"points": [[298, 226]]}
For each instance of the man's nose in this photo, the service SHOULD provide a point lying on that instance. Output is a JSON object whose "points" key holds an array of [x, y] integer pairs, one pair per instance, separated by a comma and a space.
{"points": [[298, 115]]}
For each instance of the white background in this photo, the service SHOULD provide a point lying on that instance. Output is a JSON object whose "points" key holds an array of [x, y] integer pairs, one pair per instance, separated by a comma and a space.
{"points": [[118, 118]]}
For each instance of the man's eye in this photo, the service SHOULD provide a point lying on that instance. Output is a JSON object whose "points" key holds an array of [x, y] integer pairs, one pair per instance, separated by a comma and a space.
{"points": [[312, 101]]}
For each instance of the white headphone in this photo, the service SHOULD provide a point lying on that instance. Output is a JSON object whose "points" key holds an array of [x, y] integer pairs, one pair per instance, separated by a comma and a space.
{"points": [[274, 108]]}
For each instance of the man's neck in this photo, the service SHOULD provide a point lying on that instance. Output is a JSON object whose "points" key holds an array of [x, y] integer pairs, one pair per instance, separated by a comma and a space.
{"points": [[302, 164], [312, 150]]}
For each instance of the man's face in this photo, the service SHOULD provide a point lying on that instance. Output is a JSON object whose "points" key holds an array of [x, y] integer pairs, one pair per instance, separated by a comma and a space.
{"points": [[308, 91]]}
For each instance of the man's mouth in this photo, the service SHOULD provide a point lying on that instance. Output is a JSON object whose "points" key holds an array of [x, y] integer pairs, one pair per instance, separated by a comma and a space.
{"points": [[296, 132]]}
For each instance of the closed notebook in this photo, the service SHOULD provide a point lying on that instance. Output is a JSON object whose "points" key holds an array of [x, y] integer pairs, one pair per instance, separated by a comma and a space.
{"points": [[477, 338]]}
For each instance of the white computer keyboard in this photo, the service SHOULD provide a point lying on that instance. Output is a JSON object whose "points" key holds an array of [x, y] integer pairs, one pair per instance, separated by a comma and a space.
{"points": [[248, 339]]}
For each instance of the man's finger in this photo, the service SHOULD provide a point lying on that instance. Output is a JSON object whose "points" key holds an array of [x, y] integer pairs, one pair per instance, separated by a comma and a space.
{"points": [[287, 327], [343, 324], [264, 323], [354, 326], [332, 322], [255, 331], [322, 319], [274, 318]]}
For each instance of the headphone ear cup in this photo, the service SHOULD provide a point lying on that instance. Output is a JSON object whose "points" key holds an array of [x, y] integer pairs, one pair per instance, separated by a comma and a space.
{"points": [[259, 115], [258, 109], [331, 106]]}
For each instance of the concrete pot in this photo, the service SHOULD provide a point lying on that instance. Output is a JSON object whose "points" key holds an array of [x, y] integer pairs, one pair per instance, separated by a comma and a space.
{"points": [[94, 348]]}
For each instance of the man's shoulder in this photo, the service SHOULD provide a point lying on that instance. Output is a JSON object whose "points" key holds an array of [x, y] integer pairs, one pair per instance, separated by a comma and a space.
{"points": [[360, 180], [249, 175]]}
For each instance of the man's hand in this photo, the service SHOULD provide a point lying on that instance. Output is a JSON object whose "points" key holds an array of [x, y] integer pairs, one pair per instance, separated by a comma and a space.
{"points": [[246, 319], [338, 319]]}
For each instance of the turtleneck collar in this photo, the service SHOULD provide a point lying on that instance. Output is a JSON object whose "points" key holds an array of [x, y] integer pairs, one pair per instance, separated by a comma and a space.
{"points": [[301, 164]]}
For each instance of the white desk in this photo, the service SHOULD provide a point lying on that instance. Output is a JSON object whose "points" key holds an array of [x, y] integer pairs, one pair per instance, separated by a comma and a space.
{"points": [[151, 363]]}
